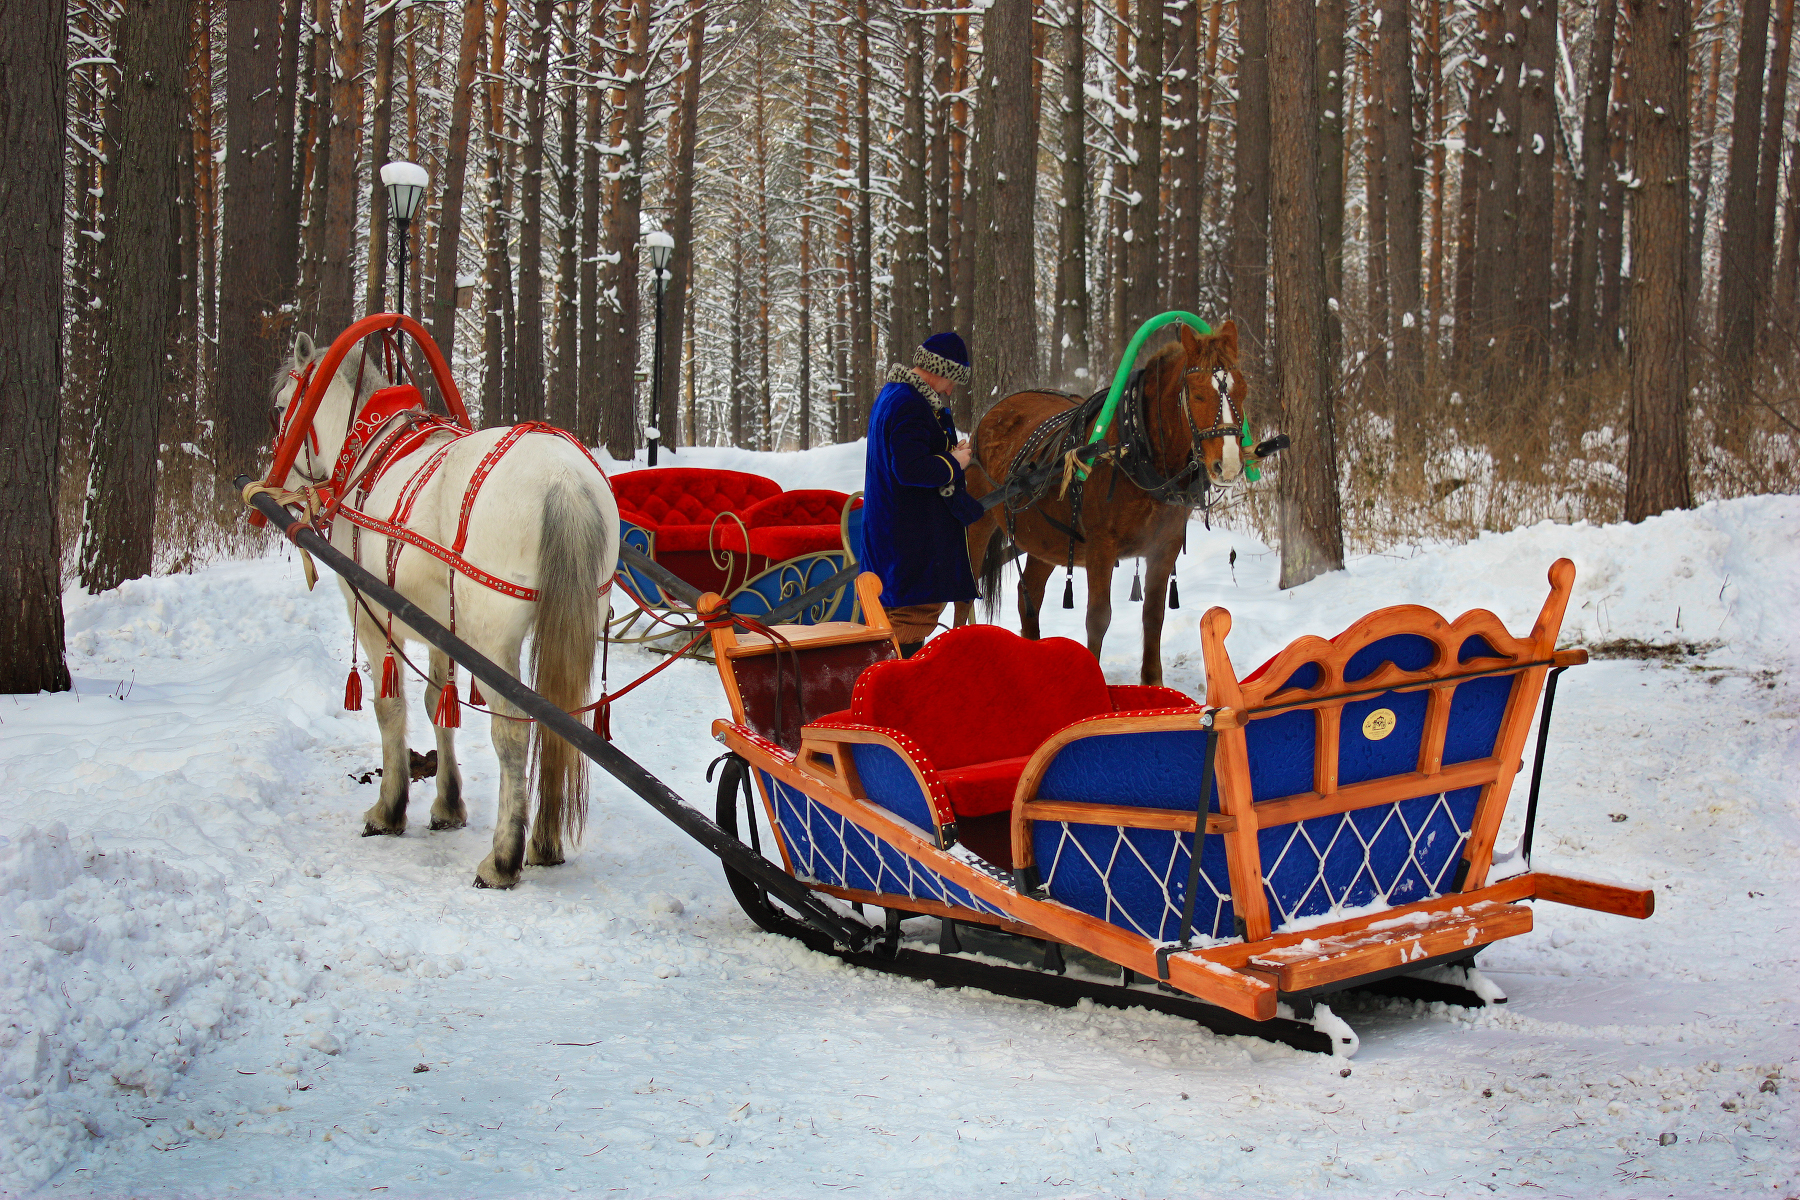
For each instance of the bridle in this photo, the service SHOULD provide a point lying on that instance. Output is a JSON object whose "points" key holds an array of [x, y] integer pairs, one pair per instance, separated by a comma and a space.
{"points": [[1192, 485]]}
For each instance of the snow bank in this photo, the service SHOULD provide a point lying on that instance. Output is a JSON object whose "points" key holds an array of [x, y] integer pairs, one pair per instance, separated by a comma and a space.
{"points": [[120, 970]]}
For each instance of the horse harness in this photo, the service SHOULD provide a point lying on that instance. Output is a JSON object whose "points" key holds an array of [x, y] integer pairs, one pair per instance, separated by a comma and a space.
{"points": [[390, 427], [1135, 456]]}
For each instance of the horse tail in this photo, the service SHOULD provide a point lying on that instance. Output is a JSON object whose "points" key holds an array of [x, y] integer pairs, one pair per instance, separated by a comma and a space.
{"points": [[993, 564], [572, 550]]}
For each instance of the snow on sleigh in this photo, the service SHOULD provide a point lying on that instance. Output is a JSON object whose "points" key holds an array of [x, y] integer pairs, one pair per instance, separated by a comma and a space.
{"points": [[736, 534], [1353, 789]]}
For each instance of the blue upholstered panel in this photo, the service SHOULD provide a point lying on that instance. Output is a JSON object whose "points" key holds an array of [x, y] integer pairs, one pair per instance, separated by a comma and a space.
{"points": [[783, 582], [889, 782], [1408, 651], [1475, 646], [1391, 853], [638, 538], [1475, 712], [1150, 770], [1361, 759], [1134, 878], [1306, 677], [855, 532], [1281, 754], [828, 848]]}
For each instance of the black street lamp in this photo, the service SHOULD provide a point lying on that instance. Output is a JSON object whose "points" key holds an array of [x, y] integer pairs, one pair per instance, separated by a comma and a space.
{"points": [[405, 183], [662, 249]]}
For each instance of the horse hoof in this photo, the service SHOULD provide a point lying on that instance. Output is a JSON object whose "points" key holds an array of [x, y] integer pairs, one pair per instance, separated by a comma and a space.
{"points": [[500, 887], [439, 823], [532, 860], [371, 830]]}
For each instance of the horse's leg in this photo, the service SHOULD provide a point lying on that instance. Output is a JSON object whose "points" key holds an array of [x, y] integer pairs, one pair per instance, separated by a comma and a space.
{"points": [[447, 812], [388, 814], [1159, 564], [1031, 595], [1100, 566], [512, 742]]}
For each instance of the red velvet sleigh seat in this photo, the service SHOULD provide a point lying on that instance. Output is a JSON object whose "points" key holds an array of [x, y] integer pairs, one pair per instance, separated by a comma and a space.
{"points": [[678, 505], [792, 524], [942, 737]]}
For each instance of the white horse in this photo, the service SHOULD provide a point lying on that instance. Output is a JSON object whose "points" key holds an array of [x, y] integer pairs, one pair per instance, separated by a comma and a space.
{"points": [[545, 520]]}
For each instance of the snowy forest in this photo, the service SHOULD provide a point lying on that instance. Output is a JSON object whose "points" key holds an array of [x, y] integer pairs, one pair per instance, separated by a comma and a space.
{"points": [[1493, 184]]}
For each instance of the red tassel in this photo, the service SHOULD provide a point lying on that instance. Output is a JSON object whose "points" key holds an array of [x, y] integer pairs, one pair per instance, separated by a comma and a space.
{"points": [[449, 712], [390, 677], [353, 691], [603, 718], [475, 696]]}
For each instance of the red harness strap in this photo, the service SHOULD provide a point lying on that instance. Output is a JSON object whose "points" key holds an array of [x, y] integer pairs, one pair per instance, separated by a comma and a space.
{"points": [[395, 529]]}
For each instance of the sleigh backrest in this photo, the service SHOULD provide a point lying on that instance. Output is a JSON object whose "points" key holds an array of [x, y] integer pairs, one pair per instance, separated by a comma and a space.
{"points": [[1369, 769]]}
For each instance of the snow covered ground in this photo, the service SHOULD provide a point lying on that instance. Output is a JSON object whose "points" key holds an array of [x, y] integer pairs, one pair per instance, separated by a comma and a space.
{"points": [[209, 984]]}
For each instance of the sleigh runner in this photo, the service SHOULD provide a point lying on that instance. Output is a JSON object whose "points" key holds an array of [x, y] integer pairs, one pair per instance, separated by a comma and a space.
{"points": [[1353, 789]]}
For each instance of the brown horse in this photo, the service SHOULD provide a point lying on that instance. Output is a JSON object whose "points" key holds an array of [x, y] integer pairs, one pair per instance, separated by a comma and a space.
{"points": [[1178, 433]]}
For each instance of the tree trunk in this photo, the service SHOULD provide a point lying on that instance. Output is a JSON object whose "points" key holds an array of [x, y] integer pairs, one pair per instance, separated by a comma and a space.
{"points": [[497, 267], [530, 368], [1375, 190], [284, 174], [1434, 259], [1583, 239], [252, 291], [1476, 167], [1181, 277], [1787, 277], [1768, 187], [808, 95], [1329, 77], [116, 539], [1072, 251], [1697, 222], [1250, 200], [1612, 219], [862, 346], [381, 137], [962, 214], [765, 407], [34, 84], [561, 401], [1738, 247], [1312, 540], [587, 371], [1496, 232], [619, 352], [456, 162], [943, 298], [1537, 188], [1141, 254], [206, 202], [909, 297], [681, 226], [337, 265], [1405, 187], [1004, 347], [1656, 471], [315, 175]]}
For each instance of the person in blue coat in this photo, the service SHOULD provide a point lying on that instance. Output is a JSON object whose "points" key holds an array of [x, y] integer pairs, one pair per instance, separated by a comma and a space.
{"points": [[915, 503]]}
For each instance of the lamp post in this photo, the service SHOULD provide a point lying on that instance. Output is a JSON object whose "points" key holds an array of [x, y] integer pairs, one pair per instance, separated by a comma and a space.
{"points": [[405, 183], [662, 248]]}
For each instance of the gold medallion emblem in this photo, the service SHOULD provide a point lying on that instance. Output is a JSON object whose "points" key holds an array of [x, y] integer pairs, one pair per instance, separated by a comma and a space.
{"points": [[1379, 724]]}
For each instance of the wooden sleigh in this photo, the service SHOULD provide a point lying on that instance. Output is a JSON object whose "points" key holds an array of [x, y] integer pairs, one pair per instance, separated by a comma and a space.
{"points": [[1353, 790]]}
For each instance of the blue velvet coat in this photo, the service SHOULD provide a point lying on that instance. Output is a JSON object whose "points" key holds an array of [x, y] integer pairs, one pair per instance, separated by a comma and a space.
{"points": [[912, 533]]}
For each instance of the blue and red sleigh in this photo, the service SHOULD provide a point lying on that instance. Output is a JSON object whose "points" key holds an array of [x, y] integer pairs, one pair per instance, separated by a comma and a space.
{"points": [[1352, 793], [738, 535]]}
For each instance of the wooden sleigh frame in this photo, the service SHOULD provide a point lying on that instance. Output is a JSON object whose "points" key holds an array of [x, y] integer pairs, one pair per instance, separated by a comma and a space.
{"points": [[1253, 967]]}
